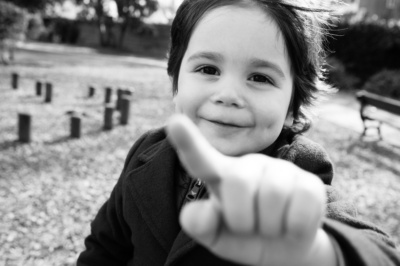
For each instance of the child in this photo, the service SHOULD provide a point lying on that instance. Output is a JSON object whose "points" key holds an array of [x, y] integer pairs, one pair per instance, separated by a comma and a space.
{"points": [[243, 71]]}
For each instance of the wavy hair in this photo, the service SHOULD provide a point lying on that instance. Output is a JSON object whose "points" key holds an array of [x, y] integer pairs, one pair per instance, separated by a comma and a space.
{"points": [[303, 24]]}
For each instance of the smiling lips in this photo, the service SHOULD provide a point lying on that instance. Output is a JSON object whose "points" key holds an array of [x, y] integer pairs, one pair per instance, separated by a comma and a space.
{"points": [[226, 123]]}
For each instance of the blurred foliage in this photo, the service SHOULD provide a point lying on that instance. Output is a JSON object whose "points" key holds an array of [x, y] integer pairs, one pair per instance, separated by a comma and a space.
{"points": [[12, 21], [33, 5], [54, 28], [338, 76], [366, 44], [60, 30], [126, 8], [35, 26], [136, 8], [386, 83], [130, 15]]}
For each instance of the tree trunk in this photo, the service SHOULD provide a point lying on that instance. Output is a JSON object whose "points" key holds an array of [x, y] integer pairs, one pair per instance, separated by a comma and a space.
{"points": [[123, 27], [102, 32], [100, 23]]}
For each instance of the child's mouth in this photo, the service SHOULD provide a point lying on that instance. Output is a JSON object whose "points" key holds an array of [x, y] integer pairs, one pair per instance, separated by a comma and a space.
{"points": [[224, 124]]}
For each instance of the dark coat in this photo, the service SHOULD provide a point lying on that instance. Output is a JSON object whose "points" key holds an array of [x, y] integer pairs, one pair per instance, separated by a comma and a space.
{"points": [[139, 225]]}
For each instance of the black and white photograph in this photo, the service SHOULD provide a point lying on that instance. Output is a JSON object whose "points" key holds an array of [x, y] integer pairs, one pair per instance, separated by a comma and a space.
{"points": [[199, 132]]}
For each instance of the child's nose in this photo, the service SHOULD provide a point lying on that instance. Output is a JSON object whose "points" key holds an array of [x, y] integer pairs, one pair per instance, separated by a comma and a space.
{"points": [[228, 94]]}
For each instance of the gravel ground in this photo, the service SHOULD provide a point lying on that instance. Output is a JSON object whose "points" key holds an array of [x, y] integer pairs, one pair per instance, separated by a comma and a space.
{"points": [[367, 173], [51, 188]]}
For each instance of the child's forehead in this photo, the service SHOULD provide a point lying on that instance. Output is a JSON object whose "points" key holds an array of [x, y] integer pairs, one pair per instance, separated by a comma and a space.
{"points": [[247, 26], [222, 19], [226, 11], [238, 35]]}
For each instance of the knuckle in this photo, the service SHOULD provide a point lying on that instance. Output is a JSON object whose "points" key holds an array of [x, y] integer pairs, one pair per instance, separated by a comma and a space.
{"points": [[306, 209], [272, 200], [313, 189], [297, 229], [240, 223]]}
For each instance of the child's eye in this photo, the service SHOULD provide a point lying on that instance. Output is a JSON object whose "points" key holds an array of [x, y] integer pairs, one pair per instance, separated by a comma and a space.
{"points": [[261, 79], [208, 70]]}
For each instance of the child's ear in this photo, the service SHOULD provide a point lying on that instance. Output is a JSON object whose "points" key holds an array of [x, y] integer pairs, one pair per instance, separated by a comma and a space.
{"points": [[289, 119]]}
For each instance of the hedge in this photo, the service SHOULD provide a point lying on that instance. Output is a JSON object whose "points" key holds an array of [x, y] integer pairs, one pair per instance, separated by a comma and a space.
{"points": [[366, 46], [12, 21], [385, 83]]}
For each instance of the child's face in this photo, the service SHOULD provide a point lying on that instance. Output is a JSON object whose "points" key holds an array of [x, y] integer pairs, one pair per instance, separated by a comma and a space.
{"points": [[235, 81]]}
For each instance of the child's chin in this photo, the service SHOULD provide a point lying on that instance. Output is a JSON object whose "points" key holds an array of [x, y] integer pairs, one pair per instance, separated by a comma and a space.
{"points": [[227, 148]]}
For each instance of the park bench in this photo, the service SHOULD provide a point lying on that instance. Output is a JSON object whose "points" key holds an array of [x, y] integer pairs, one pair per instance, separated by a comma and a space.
{"points": [[391, 108]]}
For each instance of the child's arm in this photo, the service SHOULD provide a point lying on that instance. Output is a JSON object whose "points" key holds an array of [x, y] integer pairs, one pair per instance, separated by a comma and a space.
{"points": [[109, 241], [261, 211]]}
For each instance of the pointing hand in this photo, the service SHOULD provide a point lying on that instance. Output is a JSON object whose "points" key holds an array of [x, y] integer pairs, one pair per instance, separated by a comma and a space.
{"points": [[261, 210]]}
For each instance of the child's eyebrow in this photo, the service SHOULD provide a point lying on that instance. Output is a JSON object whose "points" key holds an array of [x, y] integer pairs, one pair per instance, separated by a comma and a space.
{"points": [[268, 64], [255, 62], [206, 55]]}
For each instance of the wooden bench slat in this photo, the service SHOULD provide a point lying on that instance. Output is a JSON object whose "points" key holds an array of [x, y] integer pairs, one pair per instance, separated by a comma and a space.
{"points": [[378, 101]]}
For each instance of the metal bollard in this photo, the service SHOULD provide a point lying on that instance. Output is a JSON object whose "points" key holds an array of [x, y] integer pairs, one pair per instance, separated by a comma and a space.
{"points": [[24, 128]]}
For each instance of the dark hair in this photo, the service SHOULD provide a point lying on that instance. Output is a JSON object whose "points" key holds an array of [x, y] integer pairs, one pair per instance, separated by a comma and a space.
{"points": [[303, 26]]}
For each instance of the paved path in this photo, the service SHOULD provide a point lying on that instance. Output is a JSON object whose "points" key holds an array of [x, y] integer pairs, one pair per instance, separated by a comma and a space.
{"points": [[88, 52], [344, 110]]}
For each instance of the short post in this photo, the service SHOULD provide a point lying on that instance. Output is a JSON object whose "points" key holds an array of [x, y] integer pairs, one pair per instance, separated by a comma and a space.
{"points": [[108, 95], [24, 128], [75, 127], [49, 92], [125, 106], [108, 117], [14, 80], [128, 92], [38, 88], [91, 91], [120, 92]]}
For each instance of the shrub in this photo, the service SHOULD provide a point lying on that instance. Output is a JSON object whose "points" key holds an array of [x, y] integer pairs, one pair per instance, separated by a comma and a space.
{"points": [[385, 83], [366, 45], [338, 76], [60, 30], [35, 26], [12, 21]]}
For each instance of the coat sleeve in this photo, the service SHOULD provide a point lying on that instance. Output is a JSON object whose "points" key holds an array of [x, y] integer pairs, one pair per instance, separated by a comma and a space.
{"points": [[361, 243], [109, 241]]}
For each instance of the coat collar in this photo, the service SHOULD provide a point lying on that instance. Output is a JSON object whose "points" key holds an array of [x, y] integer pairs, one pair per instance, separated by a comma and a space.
{"points": [[154, 193]]}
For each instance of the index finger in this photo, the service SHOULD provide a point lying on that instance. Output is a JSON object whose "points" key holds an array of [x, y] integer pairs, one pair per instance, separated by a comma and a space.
{"points": [[197, 155]]}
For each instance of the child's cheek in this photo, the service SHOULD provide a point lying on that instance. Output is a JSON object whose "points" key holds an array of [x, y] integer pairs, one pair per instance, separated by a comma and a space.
{"points": [[179, 103], [177, 106], [185, 102]]}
